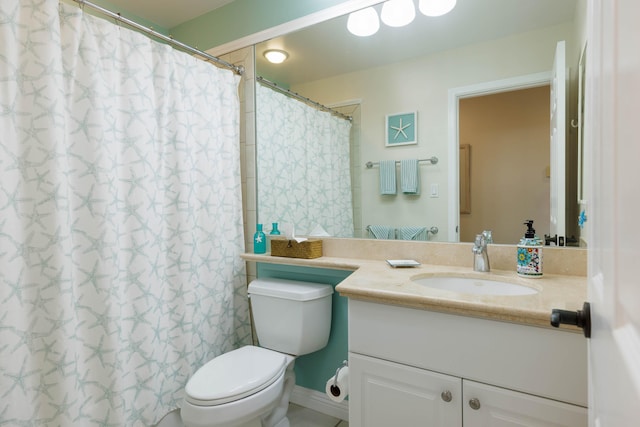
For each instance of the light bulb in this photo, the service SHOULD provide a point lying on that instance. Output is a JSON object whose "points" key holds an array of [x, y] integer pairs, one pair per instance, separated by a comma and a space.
{"points": [[436, 7], [363, 22], [398, 13], [276, 56]]}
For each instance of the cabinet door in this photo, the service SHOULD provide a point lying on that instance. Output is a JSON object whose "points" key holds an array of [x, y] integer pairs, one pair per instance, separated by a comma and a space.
{"points": [[484, 405], [384, 394]]}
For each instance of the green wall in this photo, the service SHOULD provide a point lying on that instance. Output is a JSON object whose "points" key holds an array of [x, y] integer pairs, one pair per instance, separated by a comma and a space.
{"points": [[313, 370], [241, 18], [232, 21]]}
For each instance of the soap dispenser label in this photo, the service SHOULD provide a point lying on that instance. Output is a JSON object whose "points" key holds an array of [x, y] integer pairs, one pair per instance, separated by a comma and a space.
{"points": [[530, 261]]}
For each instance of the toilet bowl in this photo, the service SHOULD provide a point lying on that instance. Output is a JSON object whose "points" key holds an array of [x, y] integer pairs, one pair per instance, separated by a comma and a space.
{"points": [[251, 386]]}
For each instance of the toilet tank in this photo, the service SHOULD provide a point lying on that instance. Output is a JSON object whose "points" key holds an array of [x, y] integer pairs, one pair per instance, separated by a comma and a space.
{"points": [[291, 316]]}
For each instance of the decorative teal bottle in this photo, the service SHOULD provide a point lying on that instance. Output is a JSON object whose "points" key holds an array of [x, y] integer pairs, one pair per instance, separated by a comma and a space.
{"points": [[530, 253], [259, 241], [274, 229]]}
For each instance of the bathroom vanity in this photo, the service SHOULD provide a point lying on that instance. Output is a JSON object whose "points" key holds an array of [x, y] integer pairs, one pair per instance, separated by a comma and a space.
{"points": [[419, 355], [417, 367]]}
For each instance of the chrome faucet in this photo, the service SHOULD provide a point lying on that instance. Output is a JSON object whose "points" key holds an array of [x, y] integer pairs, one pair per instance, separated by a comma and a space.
{"points": [[480, 255]]}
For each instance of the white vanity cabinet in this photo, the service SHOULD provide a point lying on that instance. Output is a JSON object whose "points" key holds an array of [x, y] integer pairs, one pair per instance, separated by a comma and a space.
{"points": [[411, 367]]}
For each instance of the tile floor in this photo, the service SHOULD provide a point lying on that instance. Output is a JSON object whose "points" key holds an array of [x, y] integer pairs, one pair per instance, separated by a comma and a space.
{"points": [[299, 416]]}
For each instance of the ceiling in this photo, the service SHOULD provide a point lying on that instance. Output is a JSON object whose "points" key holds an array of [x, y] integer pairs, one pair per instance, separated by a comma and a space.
{"points": [[328, 49], [168, 13]]}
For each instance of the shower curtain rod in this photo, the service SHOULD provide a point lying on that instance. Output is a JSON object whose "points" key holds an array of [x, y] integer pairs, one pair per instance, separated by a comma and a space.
{"points": [[170, 40], [299, 97]]}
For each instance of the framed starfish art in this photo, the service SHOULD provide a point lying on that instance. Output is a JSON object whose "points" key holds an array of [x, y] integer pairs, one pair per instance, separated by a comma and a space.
{"points": [[401, 129]]}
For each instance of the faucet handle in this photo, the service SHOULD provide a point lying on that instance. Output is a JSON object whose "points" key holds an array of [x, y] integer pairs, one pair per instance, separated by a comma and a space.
{"points": [[487, 236]]}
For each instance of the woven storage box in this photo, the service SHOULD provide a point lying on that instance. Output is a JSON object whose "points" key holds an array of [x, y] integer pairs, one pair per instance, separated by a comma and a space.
{"points": [[308, 249]]}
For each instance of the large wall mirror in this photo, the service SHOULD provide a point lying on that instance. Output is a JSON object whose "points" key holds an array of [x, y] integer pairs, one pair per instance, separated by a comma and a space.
{"points": [[433, 69]]}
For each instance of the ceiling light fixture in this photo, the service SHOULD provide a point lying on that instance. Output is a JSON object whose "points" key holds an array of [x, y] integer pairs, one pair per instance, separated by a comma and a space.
{"points": [[398, 13], [436, 7], [276, 56], [363, 22]]}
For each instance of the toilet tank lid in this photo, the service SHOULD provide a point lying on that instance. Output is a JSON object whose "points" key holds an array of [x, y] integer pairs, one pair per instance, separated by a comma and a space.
{"points": [[289, 289]]}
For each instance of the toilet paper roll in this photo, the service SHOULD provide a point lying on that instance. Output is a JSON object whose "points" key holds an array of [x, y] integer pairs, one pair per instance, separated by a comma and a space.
{"points": [[337, 387]]}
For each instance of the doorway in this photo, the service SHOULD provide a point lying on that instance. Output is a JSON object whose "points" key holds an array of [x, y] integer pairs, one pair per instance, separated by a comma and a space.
{"points": [[455, 96], [505, 172]]}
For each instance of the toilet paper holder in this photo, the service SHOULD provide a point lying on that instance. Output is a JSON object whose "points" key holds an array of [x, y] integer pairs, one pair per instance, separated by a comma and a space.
{"points": [[335, 377], [337, 387]]}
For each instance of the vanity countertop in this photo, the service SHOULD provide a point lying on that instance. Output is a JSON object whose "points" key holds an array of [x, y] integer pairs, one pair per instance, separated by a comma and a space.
{"points": [[376, 281]]}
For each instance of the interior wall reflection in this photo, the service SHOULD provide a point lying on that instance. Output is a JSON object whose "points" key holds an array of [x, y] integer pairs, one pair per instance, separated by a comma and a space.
{"points": [[422, 84]]}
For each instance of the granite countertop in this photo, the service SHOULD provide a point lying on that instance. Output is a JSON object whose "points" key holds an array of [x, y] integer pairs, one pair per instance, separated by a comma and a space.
{"points": [[376, 281]]}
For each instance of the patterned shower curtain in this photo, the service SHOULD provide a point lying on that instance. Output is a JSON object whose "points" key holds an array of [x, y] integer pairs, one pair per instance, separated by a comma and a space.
{"points": [[120, 219], [303, 165]]}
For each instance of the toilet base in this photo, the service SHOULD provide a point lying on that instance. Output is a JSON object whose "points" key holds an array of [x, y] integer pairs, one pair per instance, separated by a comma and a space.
{"points": [[238, 414], [283, 423], [278, 416]]}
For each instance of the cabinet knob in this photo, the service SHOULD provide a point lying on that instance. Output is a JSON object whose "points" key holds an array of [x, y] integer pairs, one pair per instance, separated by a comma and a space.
{"points": [[446, 396], [474, 403]]}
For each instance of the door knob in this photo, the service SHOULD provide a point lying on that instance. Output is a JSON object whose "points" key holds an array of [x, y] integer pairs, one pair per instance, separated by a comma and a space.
{"points": [[579, 318], [446, 396]]}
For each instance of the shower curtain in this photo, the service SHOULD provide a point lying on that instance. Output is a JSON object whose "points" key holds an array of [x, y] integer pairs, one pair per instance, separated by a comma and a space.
{"points": [[303, 165], [120, 219]]}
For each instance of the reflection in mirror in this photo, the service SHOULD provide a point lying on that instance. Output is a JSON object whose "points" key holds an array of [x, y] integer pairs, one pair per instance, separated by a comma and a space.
{"points": [[507, 134], [414, 69], [303, 166]]}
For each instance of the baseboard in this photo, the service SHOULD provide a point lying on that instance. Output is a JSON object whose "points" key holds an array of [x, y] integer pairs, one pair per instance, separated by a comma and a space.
{"points": [[320, 402]]}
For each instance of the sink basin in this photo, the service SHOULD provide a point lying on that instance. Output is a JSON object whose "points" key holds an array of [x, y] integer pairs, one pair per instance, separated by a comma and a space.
{"points": [[470, 285]]}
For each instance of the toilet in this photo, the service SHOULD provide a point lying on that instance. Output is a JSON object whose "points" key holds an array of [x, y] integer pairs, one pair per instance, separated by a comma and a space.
{"points": [[251, 386]]}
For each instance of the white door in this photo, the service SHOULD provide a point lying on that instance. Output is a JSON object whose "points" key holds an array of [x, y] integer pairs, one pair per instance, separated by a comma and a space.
{"points": [[558, 136], [613, 200]]}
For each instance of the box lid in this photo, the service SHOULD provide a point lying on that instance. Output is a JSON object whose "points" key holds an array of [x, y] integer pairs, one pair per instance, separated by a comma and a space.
{"points": [[289, 289]]}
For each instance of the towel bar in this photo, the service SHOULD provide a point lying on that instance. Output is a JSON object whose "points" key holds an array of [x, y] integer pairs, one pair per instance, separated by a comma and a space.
{"points": [[432, 230], [433, 160]]}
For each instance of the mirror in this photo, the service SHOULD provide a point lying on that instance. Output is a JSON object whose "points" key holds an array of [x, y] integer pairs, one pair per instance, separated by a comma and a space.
{"points": [[415, 69]]}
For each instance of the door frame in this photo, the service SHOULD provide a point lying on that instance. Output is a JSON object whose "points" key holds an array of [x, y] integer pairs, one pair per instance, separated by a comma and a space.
{"points": [[455, 95]]}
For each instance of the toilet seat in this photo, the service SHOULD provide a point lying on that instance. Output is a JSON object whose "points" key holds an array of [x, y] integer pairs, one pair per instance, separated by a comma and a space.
{"points": [[235, 375]]}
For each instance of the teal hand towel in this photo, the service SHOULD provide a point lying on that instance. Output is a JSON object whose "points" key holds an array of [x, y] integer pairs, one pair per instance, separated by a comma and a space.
{"points": [[381, 232], [387, 177], [409, 176], [412, 233]]}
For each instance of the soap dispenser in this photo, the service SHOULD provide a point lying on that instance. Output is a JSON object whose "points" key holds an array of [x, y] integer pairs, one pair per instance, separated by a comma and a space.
{"points": [[530, 253]]}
